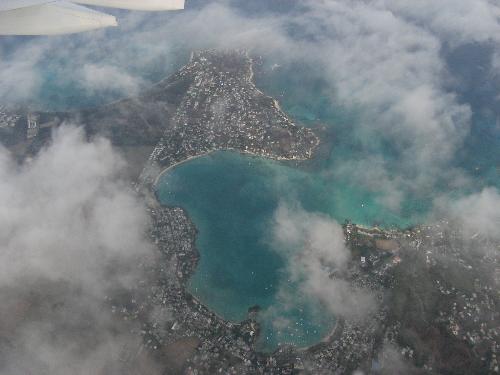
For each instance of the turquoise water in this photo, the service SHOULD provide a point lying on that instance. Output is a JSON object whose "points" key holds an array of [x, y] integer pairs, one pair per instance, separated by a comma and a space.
{"points": [[232, 199]]}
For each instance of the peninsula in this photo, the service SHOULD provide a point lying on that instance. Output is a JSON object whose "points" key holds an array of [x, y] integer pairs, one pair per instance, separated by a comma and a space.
{"points": [[223, 110], [435, 296]]}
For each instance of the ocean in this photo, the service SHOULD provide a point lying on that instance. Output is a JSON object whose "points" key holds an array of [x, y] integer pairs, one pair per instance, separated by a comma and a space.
{"points": [[232, 198]]}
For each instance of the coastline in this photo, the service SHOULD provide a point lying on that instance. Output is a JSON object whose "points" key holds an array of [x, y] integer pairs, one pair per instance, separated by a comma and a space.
{"points": [[301, 147], [175, 165], [197, 301], [241, 152]]}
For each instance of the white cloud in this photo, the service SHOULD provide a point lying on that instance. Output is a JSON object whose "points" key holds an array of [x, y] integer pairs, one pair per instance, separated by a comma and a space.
{"points": [[71, 233], [65, 217], [393, 70], [314, 247], [109, 78], [457, 21], [392, 362], [67, 207], [478, 213], [18, 78]]}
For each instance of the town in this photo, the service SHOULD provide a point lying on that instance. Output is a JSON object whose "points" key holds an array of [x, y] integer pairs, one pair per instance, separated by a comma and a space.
{"points": [[436, 288], [223, 110], [392, 264], [8, 118]]}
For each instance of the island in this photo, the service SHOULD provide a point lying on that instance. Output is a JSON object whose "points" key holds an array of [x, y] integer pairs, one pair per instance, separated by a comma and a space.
{"points": [[437, 309]]}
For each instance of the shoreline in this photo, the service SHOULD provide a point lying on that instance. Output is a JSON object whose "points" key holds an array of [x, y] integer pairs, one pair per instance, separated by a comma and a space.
{"points": [[175, 165], [241, 152], [157, 172], [328, 336]]}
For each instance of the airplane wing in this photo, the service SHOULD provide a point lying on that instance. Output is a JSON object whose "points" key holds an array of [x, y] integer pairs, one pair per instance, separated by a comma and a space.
{"points": [[16, 4], [153, 5], [49, 17]]}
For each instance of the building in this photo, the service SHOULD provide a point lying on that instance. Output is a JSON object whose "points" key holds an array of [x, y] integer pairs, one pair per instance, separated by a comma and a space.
{"points": [[8, 118], [33, 126]]}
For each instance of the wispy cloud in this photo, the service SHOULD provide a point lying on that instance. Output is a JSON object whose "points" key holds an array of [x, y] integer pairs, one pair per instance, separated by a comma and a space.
{"points": [[71, 234], [315, 250], [478, 213], [383, 58]]}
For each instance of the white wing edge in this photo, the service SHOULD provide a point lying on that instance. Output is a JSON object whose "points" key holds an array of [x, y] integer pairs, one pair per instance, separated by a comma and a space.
{"points": [[150, 5], [17, 4], [52, 18]]}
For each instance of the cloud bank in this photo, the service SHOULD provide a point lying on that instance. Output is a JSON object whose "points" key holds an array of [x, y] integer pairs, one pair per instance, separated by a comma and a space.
{"points": [[317, 257], [477, 214], [72, 235], [382, 59]]}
